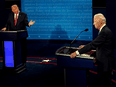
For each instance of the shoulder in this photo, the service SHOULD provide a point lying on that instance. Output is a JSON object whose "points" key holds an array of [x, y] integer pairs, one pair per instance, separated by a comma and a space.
{"points": [[22, 13], [107, 31], [11, 14]]}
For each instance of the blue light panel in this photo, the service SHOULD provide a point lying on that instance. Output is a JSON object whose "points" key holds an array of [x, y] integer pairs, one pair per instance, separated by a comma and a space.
{"points": [[9, 57]]}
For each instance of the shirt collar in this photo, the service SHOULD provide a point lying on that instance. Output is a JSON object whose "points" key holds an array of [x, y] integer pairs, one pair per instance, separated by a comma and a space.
{"points": [[17, 13], [101, 28]]}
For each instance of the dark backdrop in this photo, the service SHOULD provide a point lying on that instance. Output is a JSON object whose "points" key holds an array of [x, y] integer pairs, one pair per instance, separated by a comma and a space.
{"points": [[111, 16]]}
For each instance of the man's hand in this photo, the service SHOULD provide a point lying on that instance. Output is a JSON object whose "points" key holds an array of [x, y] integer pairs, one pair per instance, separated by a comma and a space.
{"points": [[31, 23], [81, 46], [3, 29], [73, 55]]}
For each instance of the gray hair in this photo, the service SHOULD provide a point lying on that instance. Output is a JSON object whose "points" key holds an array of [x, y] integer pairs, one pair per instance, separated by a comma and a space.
{"points": [[103, 18]]}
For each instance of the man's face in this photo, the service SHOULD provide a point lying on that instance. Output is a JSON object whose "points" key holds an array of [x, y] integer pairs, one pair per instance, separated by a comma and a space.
{"points": [[15, 8], [96, 23]]}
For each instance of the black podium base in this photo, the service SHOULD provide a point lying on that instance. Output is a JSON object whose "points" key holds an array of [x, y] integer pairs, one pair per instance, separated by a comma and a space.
{"points": [[12, 70]]}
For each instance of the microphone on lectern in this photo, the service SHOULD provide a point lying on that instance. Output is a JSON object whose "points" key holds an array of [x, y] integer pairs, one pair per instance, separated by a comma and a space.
{"points": [[86, 30], [77, 36], [70, 50]]}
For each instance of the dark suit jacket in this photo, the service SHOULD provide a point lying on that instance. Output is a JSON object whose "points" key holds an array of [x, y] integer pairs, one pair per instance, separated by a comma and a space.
{"points": [[22, 22], [105, 49]]}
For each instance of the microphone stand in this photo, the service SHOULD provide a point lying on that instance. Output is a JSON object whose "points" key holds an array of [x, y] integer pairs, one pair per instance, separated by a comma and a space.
{"points": [[73, 41]]}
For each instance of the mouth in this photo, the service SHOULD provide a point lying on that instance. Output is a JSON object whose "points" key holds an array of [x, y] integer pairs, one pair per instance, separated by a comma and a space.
{"points": [[15, 11]]}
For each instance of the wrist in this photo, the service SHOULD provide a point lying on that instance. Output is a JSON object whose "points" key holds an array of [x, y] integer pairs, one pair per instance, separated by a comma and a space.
{"points": [[29, 24], [77, 52]]}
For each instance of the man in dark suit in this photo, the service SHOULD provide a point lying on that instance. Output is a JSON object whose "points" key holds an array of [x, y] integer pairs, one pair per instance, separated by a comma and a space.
{"points": [[18, 21], [104, 45]]}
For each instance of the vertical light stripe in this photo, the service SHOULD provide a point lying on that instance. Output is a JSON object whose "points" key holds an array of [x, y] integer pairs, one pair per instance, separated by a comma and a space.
{"points": [[9, 58]]}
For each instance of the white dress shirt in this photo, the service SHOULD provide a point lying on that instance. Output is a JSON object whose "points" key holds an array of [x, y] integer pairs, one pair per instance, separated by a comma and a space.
{"points": [[17, 15], [99, 32]]}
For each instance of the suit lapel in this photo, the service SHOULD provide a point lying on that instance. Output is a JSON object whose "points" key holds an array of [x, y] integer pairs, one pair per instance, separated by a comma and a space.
{"points": [[12, 18], [19, 18]]}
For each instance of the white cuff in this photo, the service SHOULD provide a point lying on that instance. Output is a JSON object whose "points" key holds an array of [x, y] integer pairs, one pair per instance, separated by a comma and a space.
{"points": [[77, 52]]}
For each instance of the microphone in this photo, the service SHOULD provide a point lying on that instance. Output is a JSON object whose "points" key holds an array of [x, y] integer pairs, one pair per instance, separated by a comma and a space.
{"points": [[86, 30], [75, 39], [77, 36]]}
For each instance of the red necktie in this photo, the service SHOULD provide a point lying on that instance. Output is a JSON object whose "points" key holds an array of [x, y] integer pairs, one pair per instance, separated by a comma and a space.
{"points": [[16, 19]]}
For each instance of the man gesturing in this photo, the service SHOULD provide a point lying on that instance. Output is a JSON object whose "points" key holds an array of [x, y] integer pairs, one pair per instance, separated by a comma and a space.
{"points": [[18, 21]]}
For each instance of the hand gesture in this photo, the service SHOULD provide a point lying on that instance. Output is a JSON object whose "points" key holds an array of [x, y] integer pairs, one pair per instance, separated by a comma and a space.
{"points": [[73, 55], [81, 46], [31, 23], [3, 29]]}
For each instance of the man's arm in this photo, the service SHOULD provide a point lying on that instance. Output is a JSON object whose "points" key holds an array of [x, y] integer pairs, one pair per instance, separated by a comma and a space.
{"points": [[100, 39], [92, 45], [7, 24], [26, 21]]}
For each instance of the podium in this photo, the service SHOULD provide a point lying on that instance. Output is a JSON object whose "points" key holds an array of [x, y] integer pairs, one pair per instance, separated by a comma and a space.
{"points": [[76, 71], [11, 50]]}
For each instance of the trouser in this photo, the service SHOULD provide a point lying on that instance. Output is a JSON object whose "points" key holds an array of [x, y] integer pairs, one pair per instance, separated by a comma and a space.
{"points": [[24, 50], [104, 78]]}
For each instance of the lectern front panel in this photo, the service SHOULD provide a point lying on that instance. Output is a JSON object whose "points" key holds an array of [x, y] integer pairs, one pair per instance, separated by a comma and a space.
{"points": [[12, 50], [9, 57]]}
